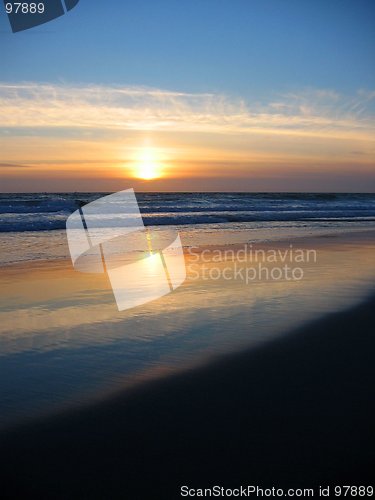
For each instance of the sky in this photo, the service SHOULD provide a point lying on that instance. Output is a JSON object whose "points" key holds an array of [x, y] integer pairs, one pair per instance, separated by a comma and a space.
{"points": [[191, 95]]}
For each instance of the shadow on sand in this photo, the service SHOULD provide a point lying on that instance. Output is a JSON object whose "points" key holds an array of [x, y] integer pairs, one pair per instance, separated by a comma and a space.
{"points": [[296, 412]]}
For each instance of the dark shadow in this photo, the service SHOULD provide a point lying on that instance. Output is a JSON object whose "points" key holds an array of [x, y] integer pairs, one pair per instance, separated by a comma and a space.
{"points": [[297, 412]]}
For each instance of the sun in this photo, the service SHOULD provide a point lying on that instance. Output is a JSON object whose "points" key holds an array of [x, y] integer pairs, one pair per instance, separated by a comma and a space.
{"points": [[147, 165], [148, 171]]}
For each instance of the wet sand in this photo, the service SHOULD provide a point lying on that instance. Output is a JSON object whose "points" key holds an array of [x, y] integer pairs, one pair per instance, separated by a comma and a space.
{"points": [[298, 411]]}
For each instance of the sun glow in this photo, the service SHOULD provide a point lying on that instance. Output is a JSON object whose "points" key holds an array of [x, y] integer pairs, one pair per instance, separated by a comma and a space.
{"points": [[147, 165]]}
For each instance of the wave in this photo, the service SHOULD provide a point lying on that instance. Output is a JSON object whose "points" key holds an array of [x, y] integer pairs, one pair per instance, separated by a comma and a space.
{"points": [[49, 211]]}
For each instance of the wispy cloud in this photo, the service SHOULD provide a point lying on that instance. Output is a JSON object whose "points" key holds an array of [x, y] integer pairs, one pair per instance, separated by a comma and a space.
{"points": [[311, 112], [12, 165]]}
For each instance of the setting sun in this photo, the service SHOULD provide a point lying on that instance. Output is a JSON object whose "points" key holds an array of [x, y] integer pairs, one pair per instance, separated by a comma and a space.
{"points": [[147, 165]]}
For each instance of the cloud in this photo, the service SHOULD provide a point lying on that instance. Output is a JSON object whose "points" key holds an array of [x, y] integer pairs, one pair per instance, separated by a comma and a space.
{"points": [[311, 112], [12, 165]]}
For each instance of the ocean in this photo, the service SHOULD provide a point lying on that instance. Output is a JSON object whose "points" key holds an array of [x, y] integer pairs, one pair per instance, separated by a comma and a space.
{"points": [[48, 211], [32, 225]]}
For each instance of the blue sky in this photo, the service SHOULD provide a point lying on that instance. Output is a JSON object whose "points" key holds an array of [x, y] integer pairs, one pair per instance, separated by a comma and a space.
{"points": [[241, 47]]}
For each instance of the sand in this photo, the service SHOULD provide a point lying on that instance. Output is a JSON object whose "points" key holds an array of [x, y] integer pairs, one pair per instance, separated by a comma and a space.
{"points": [[298, 411]]}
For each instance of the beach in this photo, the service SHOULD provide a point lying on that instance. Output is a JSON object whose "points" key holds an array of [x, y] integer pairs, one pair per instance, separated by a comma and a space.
{"points": [[297, 412], [187, 242], [63, 342], [257, 370]]}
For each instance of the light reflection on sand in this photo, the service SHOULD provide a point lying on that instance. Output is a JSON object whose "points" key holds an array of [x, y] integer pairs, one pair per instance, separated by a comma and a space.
{"points": [[67, 324]]}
